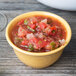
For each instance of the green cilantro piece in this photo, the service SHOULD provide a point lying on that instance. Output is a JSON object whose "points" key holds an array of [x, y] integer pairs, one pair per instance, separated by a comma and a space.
{"points": [[26, 46], [16, 33], [53, 31], [40, 42], [25, 22], [30, 29], [31, 47], [53, 44]]}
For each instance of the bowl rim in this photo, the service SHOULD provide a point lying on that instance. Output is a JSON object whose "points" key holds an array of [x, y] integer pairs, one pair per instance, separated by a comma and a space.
{"points": [[69, 33]]}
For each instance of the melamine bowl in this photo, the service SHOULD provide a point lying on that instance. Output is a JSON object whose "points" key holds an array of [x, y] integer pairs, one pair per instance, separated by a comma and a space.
{"points": [[37, 60]]}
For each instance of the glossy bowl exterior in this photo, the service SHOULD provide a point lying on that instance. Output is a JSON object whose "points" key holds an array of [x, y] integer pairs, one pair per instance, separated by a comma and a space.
{"points": [[37, 60], [69, 5]]}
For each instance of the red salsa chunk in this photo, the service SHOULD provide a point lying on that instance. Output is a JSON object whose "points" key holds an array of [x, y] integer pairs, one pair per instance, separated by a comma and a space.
{"points": [[38, 34]]}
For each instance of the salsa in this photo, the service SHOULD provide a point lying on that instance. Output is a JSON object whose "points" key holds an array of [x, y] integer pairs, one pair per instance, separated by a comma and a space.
{"points": [[39, 34]]}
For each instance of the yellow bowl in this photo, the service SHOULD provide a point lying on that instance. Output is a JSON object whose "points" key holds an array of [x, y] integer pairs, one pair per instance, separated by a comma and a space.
{"points": [[38, 60]]}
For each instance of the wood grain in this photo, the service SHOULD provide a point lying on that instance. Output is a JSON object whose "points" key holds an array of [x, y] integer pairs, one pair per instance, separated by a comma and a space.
{"points": [[10, 65], [36, 75]]}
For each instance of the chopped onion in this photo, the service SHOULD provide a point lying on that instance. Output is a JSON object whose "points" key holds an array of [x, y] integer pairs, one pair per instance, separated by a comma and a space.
{"points": [[45, 21], [29, 36], [62, 41], [47, 50], [40, 35]]}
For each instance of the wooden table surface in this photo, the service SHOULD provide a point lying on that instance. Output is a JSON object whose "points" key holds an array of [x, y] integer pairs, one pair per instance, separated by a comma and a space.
{"points": [[10, 65]]}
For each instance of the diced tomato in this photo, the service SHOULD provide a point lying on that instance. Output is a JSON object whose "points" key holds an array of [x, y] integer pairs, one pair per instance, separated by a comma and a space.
{"points": [[53, 30], [21, 32], [33, 26], [44, 43], [34, 40], [38, 43], [24, 42], [41, 43], [21, 22], [50, 30], [48, 46], [42, 25], [33, 20], [47, 30]]}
